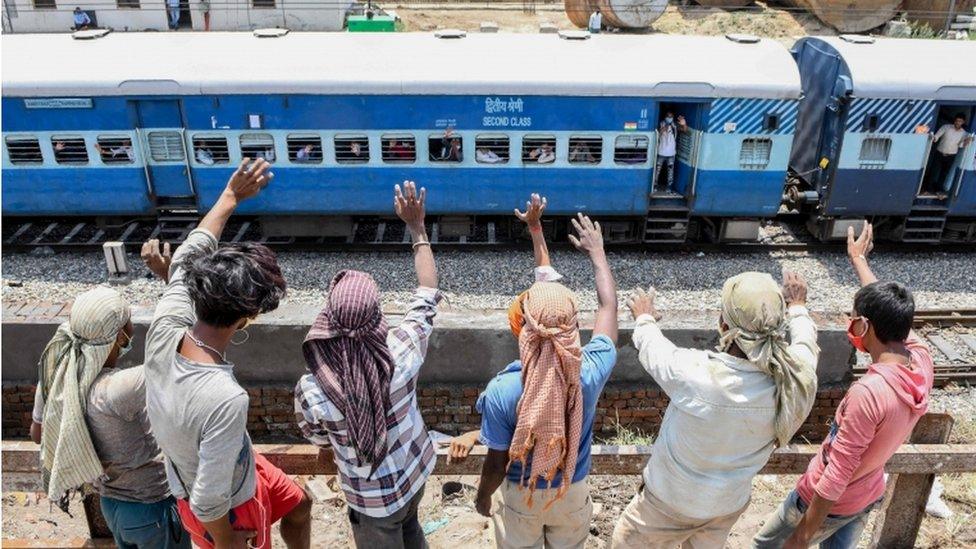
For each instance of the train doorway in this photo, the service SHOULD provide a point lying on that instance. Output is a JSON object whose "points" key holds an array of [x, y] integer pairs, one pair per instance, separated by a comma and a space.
{"points": [[952, 140], [160, 127], [676, 155]]}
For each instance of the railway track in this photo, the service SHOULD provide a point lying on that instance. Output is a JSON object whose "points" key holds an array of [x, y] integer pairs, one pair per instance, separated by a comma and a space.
{"points": [[66, 234]]}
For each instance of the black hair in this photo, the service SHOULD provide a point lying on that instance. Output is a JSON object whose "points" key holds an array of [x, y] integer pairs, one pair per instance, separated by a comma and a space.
{"points": [[959, 115], [233, 283], [889, 306]]}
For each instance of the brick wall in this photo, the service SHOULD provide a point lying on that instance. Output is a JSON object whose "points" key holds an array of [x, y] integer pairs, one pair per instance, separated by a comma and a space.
{"points": [[449, 409]]}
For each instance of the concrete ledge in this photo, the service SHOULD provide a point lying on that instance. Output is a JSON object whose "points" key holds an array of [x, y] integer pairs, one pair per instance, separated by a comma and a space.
{"points": [[466, 347]]}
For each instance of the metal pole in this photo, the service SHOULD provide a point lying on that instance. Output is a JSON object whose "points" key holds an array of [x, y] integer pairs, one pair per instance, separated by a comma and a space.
{"points": [[950, 18]]}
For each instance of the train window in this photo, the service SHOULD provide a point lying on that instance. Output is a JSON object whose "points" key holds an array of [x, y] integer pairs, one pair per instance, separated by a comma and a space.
{"points": [[263, 3], [491, 149], [210, 149], [24, 150], [754, 154], [166, 147], [128, 4], [871, 122], [305, 149], [539, 149], [69, 149], [630, 149], [585, 149], [115, 149], [45, 4], [445, 147], [351, 149], [258, 145], [875, 150], [771, 122], [399, 148]]}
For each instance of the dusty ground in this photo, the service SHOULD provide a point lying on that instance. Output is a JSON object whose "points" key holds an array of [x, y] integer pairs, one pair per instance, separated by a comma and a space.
{"points": [[759, 20]]}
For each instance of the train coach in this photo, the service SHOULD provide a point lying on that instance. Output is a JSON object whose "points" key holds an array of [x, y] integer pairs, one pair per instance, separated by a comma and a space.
{"points": [[150, 124], [864, 146]]}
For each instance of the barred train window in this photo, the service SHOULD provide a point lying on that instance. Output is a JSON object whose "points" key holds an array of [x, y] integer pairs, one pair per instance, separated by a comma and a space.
{"points": [[630, 149], [443, 149], [305, 148], [166, 147], [258, 145], [115, 149], [263, 3], [69, 149], [351, 149], [45, 4], [875, 150], [24, 150], [539, 149], [210, 149], [491, 149], [399, 148], [127, 4], [585, 149], [754, 154]]}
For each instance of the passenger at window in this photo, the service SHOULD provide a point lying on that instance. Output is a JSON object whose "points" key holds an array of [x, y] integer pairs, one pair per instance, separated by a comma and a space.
{"points": [[115, 154], [359, 398], [304, 154], [399, 150], [543, 154], [487, 156], [581, 153], [948, 140], [204, 156], [667, 147], [450, 147], [356, 151], [81, 19], [267, 154]]}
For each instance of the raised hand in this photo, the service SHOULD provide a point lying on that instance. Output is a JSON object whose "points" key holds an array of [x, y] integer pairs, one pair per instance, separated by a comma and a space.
{"points": [[794, 288], [533, 211], [862, 245], [249, 178], [642, 303], [157, 258], [590, 237], [409, 204]]}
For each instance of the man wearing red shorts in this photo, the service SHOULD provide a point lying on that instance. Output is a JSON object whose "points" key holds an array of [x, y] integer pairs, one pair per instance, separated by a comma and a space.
{"points": [[228, 495]]}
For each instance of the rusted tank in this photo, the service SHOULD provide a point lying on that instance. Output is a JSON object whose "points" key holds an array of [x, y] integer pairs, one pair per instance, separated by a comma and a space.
{"points": [[934, 12], [578, 11], [631, 14], [850, 15]]}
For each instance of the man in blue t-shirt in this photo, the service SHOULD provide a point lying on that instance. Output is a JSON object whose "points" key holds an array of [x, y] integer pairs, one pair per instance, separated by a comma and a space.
{"points": [[537, 414]]}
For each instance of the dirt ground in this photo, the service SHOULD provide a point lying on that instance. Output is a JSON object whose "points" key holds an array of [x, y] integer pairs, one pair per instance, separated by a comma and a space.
{"points": [[453, 523], [761, 21]]}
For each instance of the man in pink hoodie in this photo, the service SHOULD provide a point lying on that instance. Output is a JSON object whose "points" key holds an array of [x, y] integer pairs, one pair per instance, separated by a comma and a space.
{"points": [[845, 480]]}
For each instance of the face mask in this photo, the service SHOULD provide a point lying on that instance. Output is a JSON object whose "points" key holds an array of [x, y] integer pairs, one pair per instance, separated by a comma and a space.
{"points": [[669, 120], [857, 340], [123, 349]]}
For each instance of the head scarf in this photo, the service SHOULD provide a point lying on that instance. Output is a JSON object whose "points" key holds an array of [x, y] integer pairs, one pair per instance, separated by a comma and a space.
{"points": [[70, 363], [755, 312], [346, 351], [550, 410]]}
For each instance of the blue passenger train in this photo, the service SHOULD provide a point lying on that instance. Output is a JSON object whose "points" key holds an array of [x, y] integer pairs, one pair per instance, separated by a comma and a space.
{"points": [[481, 120]]}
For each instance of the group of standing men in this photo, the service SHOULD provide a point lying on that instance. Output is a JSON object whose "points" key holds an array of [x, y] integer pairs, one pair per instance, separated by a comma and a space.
{"points": [[729, 408]]}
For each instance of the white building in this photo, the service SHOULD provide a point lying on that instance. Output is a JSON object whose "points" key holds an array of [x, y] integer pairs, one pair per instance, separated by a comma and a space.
{"points": [[139, 15]]}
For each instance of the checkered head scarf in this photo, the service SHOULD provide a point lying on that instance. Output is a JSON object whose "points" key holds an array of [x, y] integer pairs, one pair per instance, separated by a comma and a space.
{"points": [[755, 312], [549, 421], [347, 353]]}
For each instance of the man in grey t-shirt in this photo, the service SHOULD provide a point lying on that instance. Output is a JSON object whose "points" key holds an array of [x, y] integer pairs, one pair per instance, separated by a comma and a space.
{"points": [[227, 493]]}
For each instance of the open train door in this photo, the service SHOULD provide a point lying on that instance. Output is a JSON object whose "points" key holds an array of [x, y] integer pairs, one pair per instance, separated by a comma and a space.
{"points": [[160, 128]]}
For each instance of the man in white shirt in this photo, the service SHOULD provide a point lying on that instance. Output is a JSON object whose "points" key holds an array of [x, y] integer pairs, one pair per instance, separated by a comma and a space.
{"points": [[667, 146], [948, 140], [596, 21], [728, 410]]}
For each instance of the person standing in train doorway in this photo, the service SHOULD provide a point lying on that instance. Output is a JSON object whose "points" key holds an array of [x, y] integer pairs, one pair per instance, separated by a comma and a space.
{"points": [[667, 147], [173, 9], [948, 141]]}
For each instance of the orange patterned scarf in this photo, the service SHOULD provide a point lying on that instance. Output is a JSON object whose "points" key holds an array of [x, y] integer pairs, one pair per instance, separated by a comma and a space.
{"points": [[550, 411]]}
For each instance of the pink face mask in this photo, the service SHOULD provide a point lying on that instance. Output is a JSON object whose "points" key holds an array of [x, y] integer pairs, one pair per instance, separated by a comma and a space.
{"points": [[857, 340]]}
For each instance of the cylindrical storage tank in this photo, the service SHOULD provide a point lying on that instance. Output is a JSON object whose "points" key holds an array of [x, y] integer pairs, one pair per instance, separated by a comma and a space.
{"points": [[725, 3], [632, 14], [579, 11], [935, 12], [850, 15]]}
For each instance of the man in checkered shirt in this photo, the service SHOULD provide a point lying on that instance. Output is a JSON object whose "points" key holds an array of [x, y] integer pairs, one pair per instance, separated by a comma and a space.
{"points": [[360, 395]]}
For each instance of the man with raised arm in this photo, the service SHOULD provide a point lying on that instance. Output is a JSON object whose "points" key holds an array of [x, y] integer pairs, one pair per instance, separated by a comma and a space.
{"points": [[728, 411], [537, 413], [360, 395], [845, 480], [228, 495]]}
